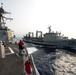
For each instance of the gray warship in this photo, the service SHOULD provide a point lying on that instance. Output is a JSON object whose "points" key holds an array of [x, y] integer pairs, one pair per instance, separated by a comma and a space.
{"points": [[6, 34], [9, 57]]}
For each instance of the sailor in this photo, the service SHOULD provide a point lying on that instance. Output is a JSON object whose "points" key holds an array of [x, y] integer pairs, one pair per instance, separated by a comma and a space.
{"points": [[21, 47]]}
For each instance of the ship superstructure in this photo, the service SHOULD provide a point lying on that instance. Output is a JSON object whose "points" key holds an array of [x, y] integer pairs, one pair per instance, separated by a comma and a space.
{"points": [[5, 33], [55, 37]]}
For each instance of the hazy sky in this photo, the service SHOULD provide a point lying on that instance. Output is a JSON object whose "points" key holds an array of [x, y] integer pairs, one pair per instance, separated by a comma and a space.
{"points": [[32, 15]]}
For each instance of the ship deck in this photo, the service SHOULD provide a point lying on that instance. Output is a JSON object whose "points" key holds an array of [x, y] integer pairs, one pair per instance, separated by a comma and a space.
{"points": [[11, 64], [45, 57]]}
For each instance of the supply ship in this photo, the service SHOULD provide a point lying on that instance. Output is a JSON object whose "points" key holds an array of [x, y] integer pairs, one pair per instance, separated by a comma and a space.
{"points": [[51, 38]]}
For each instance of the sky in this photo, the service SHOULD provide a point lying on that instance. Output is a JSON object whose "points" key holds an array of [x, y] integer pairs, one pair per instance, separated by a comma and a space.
{"points": [[32, 15]]}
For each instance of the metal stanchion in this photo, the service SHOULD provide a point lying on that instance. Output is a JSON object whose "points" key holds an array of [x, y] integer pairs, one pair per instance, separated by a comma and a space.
{"points": [[2, 51], [24, 59]]}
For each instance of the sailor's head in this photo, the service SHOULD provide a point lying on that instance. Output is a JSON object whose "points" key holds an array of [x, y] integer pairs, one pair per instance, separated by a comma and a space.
{"points": [[20, 39]]}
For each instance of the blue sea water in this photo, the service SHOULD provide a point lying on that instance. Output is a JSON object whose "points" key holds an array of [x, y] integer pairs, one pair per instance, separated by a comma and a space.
{"points": [[51, 61]]}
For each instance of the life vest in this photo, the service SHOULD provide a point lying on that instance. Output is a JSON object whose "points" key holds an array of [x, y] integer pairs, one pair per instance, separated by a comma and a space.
{"points": [[21, 46], [28, 67], [20, 43]]}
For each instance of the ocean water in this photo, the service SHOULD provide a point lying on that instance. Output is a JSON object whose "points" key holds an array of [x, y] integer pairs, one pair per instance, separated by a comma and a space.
{"points": [[51, 61], [17, 39]]}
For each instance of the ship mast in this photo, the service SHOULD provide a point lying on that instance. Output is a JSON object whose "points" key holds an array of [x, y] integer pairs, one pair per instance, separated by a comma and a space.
{"points": [[49, 29], [2, 17]]}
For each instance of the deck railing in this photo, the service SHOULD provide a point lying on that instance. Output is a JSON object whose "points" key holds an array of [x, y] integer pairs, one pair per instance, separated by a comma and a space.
{"points": [[27, 56]]}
